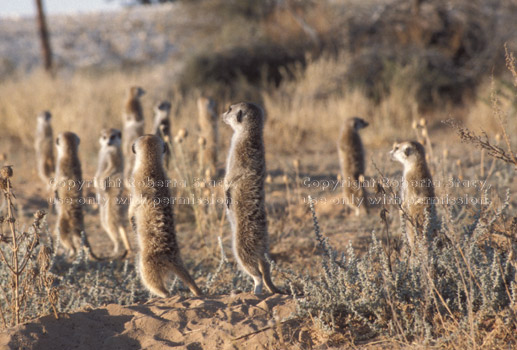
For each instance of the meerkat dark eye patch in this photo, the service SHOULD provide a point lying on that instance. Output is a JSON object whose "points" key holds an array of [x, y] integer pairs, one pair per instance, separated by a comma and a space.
{"points": [[133, 148], [57, 141], [239, 116]]}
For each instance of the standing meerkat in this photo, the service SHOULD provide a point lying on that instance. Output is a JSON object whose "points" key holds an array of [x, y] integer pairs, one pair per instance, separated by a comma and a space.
{"points": [[417, 192], [162, 127], [108, 181], [351, 158], [69, 194], [208, 124], [44, 145], [133, 126], [151, 213], [245, 196]]}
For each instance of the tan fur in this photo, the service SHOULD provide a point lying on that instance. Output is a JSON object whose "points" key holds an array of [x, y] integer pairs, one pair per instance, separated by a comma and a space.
{"points": [[245, 196], [151, 213], [68, 194], [133, 126], [209, 131], [44, 145], [108, 181], [162, 127], [351, 158], [417, 191]]}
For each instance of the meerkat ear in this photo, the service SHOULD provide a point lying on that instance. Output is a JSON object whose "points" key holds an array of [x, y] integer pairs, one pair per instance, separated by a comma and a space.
{"points": [[133, 148], [239, 116], [57, 141], [408, 151]]}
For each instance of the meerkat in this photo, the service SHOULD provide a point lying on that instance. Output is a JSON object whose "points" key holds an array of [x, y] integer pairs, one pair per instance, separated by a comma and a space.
{"points": [[133, 127], [162, 127], [108, 181], [68, 194], [245, 195], [208, 124], [44, 145], [417, 190], [151, 213], [351, 158]]}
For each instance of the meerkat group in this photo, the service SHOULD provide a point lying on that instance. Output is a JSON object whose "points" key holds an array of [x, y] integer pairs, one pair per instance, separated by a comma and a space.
{"points": [[133, 158]]}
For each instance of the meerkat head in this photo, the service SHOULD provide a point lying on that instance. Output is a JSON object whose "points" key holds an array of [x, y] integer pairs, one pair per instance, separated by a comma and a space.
{"points": [[67, 143], [110, 137], [244, 116], [44, 117], [136, 92], [357, 123], [148, 148], [163, 108], [408, 153]]}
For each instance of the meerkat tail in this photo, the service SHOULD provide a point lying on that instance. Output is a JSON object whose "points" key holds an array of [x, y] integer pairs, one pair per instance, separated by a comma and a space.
{"points": [[125, 240], [185, 277], [87, 246], [266, 274]]}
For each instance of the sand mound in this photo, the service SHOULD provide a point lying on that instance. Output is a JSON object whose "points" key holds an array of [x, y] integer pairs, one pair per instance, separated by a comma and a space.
{"points": [[241, 321]]}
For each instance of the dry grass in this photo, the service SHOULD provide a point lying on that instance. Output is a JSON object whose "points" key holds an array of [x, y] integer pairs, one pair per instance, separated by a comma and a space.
{"points": [[461, 294]]}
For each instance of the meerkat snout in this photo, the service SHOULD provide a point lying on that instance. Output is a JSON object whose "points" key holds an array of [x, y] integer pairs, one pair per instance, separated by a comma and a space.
{"points": [[407, 153], [136, 91], [44, 117]]}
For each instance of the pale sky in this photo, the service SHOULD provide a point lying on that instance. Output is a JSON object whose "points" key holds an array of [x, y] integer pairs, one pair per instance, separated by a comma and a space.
{"points": [[28, 7]]}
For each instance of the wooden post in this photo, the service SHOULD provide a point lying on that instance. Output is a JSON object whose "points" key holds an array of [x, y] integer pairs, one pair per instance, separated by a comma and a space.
{"points": [[46, 51]]}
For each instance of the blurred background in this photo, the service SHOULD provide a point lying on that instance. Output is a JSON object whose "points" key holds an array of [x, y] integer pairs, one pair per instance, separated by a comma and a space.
{"points": [[390, 61]]}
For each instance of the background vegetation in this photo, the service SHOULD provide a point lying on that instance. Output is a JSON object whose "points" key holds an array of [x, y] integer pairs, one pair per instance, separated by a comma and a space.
{"points": [[310, 64]]}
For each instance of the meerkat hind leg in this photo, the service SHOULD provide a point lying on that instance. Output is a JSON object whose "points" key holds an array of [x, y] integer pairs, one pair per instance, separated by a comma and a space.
{"points": [[67, 241], [258, 284], [111, 229], [153, 279], [254, 272]]}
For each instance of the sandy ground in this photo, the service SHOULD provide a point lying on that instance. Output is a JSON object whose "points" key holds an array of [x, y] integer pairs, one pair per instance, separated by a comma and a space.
{"points": [[240, 321], [237, 320]]}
